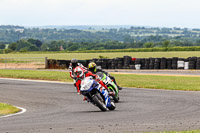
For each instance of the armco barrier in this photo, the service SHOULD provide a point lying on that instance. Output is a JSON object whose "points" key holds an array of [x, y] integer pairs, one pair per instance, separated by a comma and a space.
{"points": [[127, 62]]}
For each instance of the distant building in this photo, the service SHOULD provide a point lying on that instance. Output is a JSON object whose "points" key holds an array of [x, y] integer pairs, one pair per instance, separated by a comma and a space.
{"points": [[19, 30], [61, 48]]}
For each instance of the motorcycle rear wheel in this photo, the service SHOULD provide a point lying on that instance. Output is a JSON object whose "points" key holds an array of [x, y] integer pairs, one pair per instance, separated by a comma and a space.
{"points": [[116, 99]]}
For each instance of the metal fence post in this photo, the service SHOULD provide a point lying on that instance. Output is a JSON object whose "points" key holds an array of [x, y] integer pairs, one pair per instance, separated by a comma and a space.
{"points": [[5, 63], [46, 62]]}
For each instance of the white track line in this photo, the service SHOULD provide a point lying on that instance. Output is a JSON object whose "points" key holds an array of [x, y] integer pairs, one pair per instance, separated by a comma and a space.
{"points": [[21, 112]]}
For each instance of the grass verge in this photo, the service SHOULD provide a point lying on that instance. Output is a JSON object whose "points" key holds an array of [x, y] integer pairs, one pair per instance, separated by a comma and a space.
{"points": [[35, 74], [126, 80], [159, 82], [6, 109]]}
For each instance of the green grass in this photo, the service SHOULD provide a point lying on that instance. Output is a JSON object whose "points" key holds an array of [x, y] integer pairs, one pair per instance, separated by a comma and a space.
{"points": [[6, 109], [159, 82], [82, 56], [126, 80], [34, 74], [10, 61]]}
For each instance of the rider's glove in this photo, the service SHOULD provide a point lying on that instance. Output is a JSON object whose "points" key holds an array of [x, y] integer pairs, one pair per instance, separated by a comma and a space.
{"points": [[97, 79], [70, 68]]}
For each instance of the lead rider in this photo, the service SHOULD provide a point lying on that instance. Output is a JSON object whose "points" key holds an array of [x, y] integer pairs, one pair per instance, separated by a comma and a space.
{"points": [[78, 72]]}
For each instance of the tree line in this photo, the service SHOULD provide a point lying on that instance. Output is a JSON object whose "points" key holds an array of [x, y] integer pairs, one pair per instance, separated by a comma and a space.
{"points": [[17, 38], [37, 45]]}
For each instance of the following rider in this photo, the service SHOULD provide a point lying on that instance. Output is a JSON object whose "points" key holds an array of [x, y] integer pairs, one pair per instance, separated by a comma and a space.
{"points": [[94, 69]]}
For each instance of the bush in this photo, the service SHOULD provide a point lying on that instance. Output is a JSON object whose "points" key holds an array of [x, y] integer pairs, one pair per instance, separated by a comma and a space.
{"points": [[6, 51], [1, 51], [2, 46]]}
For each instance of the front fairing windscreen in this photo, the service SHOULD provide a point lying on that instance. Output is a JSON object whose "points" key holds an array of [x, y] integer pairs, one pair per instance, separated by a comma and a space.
{"points": [[86, 84]]}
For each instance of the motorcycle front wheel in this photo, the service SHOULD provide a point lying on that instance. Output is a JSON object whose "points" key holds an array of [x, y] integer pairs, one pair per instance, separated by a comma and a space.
{"points": [[112, 107], [99, 102]]}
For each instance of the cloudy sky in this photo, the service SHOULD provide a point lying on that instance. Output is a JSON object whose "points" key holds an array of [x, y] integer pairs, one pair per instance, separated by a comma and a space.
{"points": [[159, 13]]}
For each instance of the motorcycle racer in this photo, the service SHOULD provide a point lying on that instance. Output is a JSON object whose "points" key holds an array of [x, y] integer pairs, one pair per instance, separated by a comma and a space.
{"points": [[74, 63], [94, 69], [81, 73]]}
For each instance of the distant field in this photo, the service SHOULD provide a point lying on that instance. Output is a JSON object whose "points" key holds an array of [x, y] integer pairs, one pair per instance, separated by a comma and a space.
{"points": [[68, 56]]}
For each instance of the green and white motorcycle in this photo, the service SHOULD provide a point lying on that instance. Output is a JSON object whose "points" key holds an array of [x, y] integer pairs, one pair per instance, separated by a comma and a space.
{"points": [[110, 84]]}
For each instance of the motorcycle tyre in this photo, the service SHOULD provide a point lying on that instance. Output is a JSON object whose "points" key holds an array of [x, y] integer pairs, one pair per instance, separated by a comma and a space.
{"points": [[116, 99], [99, 103], [112, 107]]}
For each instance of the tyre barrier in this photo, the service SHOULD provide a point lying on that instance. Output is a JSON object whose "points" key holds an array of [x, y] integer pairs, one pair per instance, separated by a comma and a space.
{"points": [[127, 62], [198, 63]]}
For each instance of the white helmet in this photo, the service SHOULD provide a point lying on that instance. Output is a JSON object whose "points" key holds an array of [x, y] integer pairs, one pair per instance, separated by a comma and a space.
{"points": [[79, 72]]}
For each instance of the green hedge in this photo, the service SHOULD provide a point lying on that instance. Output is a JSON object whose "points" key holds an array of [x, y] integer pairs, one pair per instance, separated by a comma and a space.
{"points": [[161, 49]]}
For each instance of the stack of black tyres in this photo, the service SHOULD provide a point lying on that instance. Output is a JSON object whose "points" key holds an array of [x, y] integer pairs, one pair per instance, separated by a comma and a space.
{"points": [[137, 61], [113, 64], [116, 63], [132, 65], [174, 62], [192, 62], [62, 63], [104, 64], [147, 63], [157, 63], [169, 63], [163, 63], [143, 63], [109, 63], [198, 63], [127, 61], [98, 62], [120, 63], [67, 63], [151, 63]]}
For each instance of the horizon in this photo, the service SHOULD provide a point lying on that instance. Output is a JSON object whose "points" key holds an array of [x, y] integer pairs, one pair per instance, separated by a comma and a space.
{"points": [[102, 26]]}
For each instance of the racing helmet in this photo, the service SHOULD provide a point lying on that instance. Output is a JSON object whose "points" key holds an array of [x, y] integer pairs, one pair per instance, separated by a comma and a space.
{"points": [[74, 63], [79, 73], [92, 67]]}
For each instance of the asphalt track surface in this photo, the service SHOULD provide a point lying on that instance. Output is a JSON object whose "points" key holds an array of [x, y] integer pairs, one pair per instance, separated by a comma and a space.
{"points": [[56, 108]]}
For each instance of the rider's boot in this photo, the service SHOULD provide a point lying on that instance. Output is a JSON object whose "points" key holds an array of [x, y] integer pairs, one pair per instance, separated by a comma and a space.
{"points": [[120, 88], [111, 93]]}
